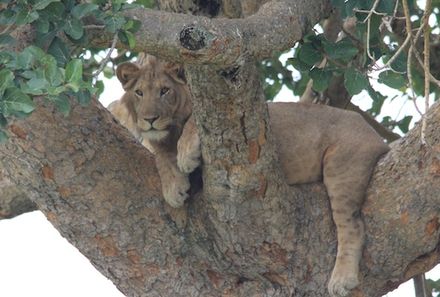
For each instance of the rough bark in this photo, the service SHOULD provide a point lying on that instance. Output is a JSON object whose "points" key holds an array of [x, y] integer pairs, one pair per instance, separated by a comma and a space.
{"points": [[201, 40], [246, 233], [13, 202], [102, 192]]}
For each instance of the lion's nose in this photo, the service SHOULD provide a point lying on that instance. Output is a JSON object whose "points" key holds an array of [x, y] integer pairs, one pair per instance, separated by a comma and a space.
{"points": [[151, 119]]}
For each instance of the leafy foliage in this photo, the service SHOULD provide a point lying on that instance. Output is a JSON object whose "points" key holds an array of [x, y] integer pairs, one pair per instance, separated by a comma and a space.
{"points": [[356, 58], [433, 287], [57, 66]]}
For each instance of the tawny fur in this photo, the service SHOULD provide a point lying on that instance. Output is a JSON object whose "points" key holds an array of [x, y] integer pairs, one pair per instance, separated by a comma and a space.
{"points": [[315, 143]]}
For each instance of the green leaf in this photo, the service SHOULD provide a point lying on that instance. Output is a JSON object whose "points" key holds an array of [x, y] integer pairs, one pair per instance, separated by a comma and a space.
{"points": [[7, 17], [146, 3], [386, 6], [355, 81], [403, 124], [73, 86], [131, 39], [321, 78], [42, 4], [26, 17], [344, 49], [29, 74], [74, 28], [83, 97], [298, 65], [127, 38], [59, 50], [108, 72], [271, 90], [3, 136], [132, 25], [35, 51], [7, 39], [392, 79], [338, 3], [127, 6], [114, 22], [83, 10], [55, 91], [375, 22], [100, 2], [36, 86], [378, 100], [3, 121], [99, 87], [399, 64], [74, 70], [350, 5], [43, 39], [309, 55], [24, 60], [9, 59], [6, 80], [51, 72], [29, 56], [71, 3], [55, 12], [42, 25], [116, 5], [15, 100], [301, 84], [61, 103], [418, 82]]}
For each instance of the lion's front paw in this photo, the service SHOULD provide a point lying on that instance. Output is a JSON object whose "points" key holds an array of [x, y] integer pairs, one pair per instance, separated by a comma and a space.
{"points": [[188, 155], [188, 163], [176, 192], [340, 285]]}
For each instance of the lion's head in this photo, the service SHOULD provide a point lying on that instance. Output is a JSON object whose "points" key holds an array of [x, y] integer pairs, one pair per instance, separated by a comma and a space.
{"points": [[157, 97]]}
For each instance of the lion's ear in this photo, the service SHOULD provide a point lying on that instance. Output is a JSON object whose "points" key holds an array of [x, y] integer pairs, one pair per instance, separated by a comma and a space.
{"points": [[176, 71], [127, 72]]}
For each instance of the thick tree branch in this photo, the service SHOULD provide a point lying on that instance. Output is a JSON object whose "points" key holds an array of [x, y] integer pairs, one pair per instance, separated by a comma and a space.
{"points": [[196, 39], [101, 190]]}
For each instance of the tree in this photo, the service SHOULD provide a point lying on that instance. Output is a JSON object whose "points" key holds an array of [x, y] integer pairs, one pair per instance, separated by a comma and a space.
{"points": [[247, 233]]}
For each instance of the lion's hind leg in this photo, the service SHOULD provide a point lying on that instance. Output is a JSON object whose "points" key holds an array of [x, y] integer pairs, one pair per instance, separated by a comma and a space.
{"points": [[346, 175]]}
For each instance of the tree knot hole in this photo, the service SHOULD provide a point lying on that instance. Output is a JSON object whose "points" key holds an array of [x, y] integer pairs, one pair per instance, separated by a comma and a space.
{"points": [[193, 38]]}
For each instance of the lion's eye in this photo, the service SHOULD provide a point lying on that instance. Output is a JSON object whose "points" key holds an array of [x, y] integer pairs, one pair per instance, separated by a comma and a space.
{"points": [[139, 93], [164, 91]]}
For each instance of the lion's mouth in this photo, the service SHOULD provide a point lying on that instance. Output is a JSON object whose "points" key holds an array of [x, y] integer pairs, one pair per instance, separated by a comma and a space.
{"points": [[156, 130], [154, 134]]}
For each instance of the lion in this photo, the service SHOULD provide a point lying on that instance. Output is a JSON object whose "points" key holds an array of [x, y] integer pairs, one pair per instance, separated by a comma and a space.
{"points": [[314, 142], [154, 108]]}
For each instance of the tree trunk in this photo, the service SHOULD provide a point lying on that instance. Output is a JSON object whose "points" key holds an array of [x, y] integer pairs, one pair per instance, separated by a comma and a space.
{"points": [[247, 233]]}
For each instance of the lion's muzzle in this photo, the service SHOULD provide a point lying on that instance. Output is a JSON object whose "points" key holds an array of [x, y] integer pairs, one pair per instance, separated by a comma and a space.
{"points": [[154, 128]]}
